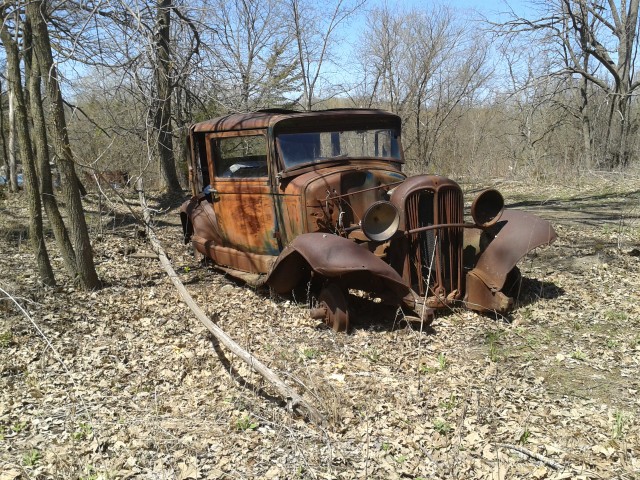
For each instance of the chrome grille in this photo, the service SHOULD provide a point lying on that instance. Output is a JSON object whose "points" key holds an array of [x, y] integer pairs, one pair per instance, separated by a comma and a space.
{"points": [[435, 256]]}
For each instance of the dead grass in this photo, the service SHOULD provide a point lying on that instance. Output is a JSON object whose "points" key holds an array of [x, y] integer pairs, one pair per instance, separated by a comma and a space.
{"points": [[132, 386]]}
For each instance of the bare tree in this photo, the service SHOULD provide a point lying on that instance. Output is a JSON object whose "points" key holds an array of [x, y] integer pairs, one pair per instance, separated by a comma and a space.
{"points": [[36, 233], [12, 156], [253, 51], [87, 276], [597, 40], [10, 149], [314, 28], [3, 137], [39, 139], [164, 88], [426, 67]]}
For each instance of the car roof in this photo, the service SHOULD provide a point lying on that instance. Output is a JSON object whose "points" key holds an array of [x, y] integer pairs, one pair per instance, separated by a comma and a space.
{"points": [[269, 118]]}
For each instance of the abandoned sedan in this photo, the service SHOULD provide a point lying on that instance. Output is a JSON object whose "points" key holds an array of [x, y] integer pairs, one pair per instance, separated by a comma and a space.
{"points": [[318, 200]]}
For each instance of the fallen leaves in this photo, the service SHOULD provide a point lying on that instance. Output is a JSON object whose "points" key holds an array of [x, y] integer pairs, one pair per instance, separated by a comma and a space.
{"points": [[146, 392]]}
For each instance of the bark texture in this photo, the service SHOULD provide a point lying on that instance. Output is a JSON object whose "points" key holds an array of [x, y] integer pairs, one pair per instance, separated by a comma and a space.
{"points": [[36, 233], [87, 276]]}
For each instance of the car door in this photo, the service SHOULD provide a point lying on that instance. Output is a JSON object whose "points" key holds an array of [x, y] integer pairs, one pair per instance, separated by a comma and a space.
{"points": [[241, 191]]}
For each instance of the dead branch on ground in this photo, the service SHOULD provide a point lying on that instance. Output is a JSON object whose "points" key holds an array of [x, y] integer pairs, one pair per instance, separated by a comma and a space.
{"points": [[293, 400]]}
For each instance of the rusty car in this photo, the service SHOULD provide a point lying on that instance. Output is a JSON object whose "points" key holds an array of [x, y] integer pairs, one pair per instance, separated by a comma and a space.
{"points": [[318, 201]]}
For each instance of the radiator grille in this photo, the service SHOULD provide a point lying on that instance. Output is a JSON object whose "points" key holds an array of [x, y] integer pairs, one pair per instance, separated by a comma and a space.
{"points": [[435, 256]]}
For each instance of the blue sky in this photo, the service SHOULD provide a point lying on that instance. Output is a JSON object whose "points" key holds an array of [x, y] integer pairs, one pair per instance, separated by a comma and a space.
{"points": [[490, 8]]}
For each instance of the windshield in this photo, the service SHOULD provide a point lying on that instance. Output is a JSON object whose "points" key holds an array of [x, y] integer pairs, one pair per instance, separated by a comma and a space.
{"points": [[304, 148]]}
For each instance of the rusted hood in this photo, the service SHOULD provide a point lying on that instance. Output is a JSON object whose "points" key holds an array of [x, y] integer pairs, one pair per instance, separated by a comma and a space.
{"points": [[344, 190]]}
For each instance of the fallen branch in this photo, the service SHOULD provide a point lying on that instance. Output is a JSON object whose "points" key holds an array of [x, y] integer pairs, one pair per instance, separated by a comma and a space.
{"points": [[537, 456], [144, 255], [293, 400]]}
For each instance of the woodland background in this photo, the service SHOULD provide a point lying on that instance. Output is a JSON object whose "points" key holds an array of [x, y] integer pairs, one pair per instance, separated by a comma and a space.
{"points": [[554, 93], [104, 374]]}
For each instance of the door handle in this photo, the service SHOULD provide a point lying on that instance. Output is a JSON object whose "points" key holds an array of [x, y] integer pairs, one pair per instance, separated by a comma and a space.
{"points": [[211, 194]]}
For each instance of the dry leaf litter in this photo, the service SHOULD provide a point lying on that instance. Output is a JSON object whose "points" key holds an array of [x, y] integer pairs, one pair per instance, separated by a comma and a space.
{"points": [[124, 383]]}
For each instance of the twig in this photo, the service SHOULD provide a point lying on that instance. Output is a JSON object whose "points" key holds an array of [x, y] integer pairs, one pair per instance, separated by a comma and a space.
{"points": [[50, 346], [537, 456], [293, 400]]}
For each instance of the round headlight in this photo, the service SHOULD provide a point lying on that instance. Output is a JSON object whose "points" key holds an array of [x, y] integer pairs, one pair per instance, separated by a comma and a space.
{"points": [[487, 208], [380, 221]]}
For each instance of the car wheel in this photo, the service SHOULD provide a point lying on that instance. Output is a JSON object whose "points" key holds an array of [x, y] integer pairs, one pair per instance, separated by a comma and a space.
{"points": [[332, 308]]}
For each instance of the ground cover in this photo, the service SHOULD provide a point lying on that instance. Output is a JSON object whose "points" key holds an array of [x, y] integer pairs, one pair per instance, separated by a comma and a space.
{"points": [[124, 383]]}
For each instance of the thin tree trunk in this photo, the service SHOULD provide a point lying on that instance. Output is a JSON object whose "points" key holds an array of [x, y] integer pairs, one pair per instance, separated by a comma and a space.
{"points": [[3, 138], [609, 155], [13, 163], [41, 148], [87, 276], [162, 113], [586, 122], [36, 233]]}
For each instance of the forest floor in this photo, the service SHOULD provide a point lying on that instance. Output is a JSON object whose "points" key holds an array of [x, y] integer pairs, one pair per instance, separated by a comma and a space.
{"points": [[125, 383]]}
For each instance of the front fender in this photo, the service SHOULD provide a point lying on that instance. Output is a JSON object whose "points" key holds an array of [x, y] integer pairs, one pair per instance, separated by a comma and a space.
{"points": [[336, 258], [510, 239]]}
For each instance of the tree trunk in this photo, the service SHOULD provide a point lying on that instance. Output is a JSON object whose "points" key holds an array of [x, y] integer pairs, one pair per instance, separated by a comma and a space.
{"points": [[3, 138], [13, 163], [585, 123], [162, 113], [36, 233], [41, 147], [87, 276]]}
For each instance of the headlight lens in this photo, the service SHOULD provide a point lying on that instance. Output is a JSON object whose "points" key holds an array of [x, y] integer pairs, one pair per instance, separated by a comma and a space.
{"points": [[380, 221]]}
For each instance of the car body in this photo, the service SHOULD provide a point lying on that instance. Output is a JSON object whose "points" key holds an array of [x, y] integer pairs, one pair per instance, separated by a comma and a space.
{"points": [[318, 199], [5, 180]]}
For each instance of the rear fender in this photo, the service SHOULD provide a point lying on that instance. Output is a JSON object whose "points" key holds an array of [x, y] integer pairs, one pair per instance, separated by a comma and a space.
{"points": [[199, 219], [338, 259], [496, 251]]}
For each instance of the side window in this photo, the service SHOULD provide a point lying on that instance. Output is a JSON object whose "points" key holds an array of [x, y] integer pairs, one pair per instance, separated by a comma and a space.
{"points": [[240, 157]]}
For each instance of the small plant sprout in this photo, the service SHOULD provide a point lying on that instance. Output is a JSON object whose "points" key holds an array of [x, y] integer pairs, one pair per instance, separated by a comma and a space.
{"points": [[31, 458], [310, 353], [616, 316], [578, 355], [373, 355], [6, 339], [442, 427], [442, 361], [524, 436], [245, 423], [450, 403], [401, 458], [492, 339], [619, 422], [83, 432], [18, 427]]}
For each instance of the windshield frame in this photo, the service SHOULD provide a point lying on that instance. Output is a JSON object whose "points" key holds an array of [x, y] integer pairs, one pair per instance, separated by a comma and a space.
{"points": [[373, 125]]}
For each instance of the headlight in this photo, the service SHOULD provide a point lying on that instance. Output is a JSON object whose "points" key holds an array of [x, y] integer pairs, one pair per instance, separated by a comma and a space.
{"points": [[380, 221], [487, 208]]}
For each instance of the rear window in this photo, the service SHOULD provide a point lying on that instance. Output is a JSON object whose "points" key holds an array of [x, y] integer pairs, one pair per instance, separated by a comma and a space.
{"points": [[240, 157]]}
